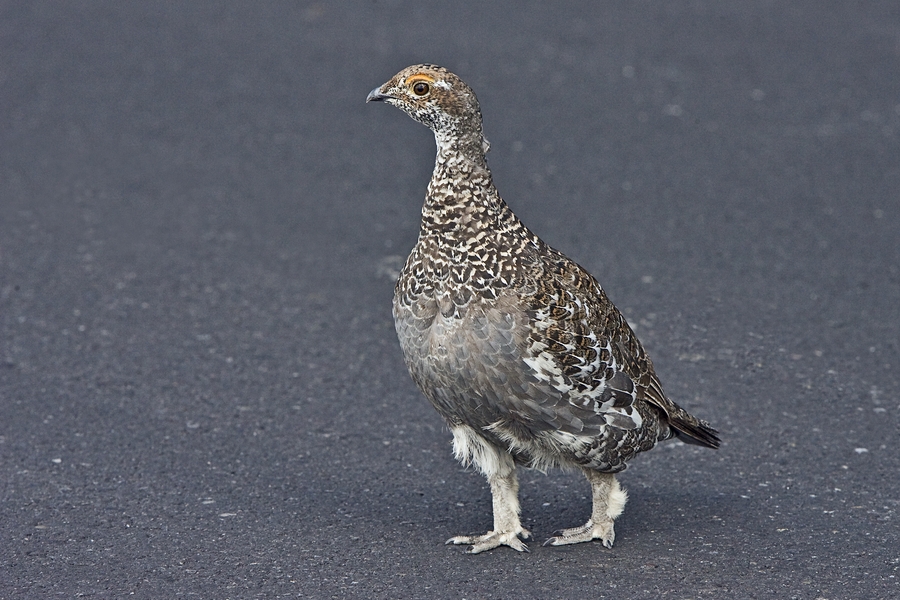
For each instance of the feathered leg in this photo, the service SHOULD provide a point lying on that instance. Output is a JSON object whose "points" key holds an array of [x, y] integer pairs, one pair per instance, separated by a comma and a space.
{"points": [[608, 502], [500, 470]]}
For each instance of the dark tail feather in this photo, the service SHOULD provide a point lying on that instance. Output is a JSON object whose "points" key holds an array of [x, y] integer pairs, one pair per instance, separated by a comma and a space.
{"points": [[698, 433]]}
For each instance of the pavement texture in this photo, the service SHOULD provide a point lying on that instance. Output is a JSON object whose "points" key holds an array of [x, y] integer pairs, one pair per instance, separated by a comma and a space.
{"points": [[201, 393]]}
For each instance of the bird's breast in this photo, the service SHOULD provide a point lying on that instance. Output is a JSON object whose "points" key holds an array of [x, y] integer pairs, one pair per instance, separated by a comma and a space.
{"points": [[436, 327], [458, 344]]}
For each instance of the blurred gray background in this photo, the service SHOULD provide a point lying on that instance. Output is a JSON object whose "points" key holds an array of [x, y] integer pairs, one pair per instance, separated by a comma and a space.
{"points": [[201, 393]]}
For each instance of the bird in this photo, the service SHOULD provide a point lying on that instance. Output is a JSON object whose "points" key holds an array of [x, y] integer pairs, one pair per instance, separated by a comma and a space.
{"points": [[517, 347]]}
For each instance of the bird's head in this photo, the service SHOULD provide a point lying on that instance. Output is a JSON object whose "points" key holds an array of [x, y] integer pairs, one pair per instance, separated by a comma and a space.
{"points": [[437, 98]]}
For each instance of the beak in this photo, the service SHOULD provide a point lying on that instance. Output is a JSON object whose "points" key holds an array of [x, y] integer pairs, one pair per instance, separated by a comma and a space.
{"points": [[377, 95]]}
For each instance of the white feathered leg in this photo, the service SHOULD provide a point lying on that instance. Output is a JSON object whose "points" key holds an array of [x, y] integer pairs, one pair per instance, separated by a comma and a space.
{"points": [[608, 502], [500, 470]]}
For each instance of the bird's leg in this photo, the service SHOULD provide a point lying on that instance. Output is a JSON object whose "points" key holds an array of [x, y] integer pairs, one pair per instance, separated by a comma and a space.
{"points": [[500, 470], [608, 502], [507, 528]]}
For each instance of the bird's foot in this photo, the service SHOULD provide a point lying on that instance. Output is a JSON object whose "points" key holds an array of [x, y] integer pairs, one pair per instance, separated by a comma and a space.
{"points": [[587, 532], [492, 539]]}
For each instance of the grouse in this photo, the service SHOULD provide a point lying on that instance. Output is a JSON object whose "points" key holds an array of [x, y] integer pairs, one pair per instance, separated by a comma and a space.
{"points": [[516, 346]]}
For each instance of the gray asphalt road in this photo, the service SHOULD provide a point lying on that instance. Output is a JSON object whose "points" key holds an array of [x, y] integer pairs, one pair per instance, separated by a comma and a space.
{"points": [[201, 394]]}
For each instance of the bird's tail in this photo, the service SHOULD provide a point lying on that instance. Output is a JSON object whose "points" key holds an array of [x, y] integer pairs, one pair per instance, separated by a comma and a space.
{"points": [[691, 430]]}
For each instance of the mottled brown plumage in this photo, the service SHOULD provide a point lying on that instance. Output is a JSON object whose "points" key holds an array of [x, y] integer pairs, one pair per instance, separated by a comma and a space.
{"points": [[516, 346]]}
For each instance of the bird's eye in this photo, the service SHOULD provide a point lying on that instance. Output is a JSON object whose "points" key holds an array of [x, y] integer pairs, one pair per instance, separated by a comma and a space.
{"points": [[421, 88]]}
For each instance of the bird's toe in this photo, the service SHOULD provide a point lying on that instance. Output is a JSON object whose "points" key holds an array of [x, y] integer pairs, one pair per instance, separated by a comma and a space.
{"points": [[490, 540], [603, 530]]}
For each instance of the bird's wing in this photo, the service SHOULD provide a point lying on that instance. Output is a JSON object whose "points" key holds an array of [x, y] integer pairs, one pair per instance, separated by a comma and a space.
{"points": [[586, 368], [580, 347], [554, 355]]}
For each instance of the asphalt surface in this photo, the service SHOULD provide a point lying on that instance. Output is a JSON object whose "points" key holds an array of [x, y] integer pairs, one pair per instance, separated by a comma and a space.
{"points": [[201, 393]]}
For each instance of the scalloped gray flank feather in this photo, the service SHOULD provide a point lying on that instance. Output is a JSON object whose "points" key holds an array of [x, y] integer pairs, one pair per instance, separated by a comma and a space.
{"points": [[515, 345]]}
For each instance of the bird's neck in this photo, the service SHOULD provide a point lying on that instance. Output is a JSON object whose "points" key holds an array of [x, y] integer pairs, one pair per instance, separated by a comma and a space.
{"points": [[462, 142], [462, 201], [460, 190]]}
